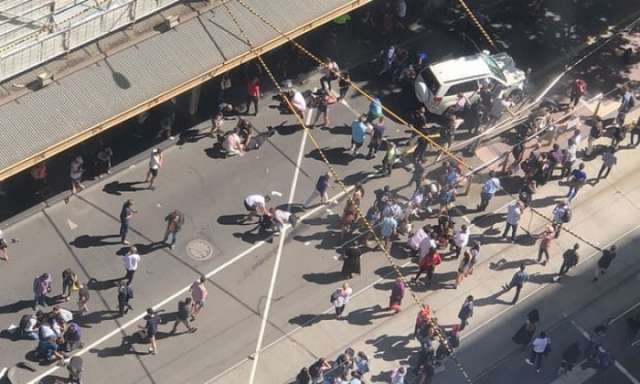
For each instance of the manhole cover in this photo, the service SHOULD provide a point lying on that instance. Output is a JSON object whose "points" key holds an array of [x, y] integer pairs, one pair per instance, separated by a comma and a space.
{"points": [[199, 249]]}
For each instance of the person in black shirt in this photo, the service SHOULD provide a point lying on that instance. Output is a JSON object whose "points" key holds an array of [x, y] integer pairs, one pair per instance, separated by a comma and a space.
{"points": [[184, 314], [151, 329], [125, 216], [125, 293]]}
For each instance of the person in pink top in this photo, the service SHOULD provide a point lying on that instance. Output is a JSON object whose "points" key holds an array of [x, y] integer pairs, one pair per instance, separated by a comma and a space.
{"points": [[546, 237], [199, 295]]}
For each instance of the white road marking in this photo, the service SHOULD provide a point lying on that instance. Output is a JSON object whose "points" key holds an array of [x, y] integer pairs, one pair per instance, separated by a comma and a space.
{"points": [[620, 367], [164, 302], [72, 226], [623, 314], [525, 297], [344, 102], [307, 119], [276, 264], [276, 193]]}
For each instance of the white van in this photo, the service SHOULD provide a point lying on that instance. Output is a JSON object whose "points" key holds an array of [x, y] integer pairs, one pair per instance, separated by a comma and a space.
{"points": [[438, 85]]}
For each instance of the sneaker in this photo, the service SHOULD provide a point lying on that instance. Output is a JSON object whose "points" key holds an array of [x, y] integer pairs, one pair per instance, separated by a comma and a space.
{"points": [[556, 278], [538, 370], [125, 242], [528, 361]]}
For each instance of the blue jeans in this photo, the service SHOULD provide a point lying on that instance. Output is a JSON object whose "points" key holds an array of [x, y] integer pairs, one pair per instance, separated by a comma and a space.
{"points": [[170, 237], [124, 229]]}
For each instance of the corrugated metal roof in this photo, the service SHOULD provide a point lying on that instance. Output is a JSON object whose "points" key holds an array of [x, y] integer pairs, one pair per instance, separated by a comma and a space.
{"points": [[75, 103]]}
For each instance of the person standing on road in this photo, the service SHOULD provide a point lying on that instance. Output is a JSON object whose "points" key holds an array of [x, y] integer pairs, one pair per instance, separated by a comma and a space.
{"points": [[539, 348], [152, 320], [125, 294], [461, 239], [609, 159], [75, 173], [253, 95], [397, 294], [578, 89], [577, 180], [126, 214], [343, 84], [489, 189], [41, 288], [604, 262], [635, 132], [4, 254], [358, 131], [183, 316], [377, 136], [83, 298], [340, 298], [517, 281], [175, 221], [331, 70], [155, 162], [428, 264], [466, 312], [561, 215], [321, 189], [594, 134], [569, 260], [131, 261], [199, 295], [514, 213], [388, 229], [546, 237], [69, 279], [103, 160]]}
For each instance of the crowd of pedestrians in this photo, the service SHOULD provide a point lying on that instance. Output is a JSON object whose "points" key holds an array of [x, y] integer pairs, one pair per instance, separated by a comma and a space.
{"points": [[394, 218]]}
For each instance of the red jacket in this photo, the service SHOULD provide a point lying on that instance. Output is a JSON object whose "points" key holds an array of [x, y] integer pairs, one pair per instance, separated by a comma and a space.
{"points": [[253, 89], [431, 259]]}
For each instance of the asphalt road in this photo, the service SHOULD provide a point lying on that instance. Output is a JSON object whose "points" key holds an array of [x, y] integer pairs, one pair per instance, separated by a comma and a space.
{"points": [[80, 235]]}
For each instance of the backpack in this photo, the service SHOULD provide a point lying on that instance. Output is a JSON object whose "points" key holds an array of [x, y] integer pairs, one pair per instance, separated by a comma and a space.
{"points": [[24, 320], [334, 296], [567, 216]]}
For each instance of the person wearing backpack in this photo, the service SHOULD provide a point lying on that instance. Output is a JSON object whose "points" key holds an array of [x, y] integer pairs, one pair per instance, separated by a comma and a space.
{"points": [[561, 215]]}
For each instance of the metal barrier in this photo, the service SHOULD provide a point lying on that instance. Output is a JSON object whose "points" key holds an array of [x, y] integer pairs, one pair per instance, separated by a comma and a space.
{"points": [[33, 49]]}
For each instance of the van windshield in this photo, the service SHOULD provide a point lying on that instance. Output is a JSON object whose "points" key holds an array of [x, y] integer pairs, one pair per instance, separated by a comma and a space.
{"points": [[495, 68], [430, 81]]}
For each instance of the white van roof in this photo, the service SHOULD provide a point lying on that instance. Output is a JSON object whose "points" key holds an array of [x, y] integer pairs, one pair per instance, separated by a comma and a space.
{"points": [[469, 67]]}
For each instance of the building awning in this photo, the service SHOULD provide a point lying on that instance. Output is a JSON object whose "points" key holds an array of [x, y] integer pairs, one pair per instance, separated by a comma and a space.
{"points": [[43, 123]]}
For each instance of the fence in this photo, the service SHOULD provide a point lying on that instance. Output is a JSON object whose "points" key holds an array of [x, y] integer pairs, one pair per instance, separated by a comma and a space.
{"points": [[26, 55]]}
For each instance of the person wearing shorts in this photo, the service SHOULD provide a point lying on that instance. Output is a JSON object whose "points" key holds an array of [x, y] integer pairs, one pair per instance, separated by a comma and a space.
{"points": [[151, 329], [199, 295], [155, 162]]}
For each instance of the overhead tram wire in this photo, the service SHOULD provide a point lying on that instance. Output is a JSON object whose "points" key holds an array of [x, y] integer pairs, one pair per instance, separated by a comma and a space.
{"points": [[442, 149], [431, 319]]}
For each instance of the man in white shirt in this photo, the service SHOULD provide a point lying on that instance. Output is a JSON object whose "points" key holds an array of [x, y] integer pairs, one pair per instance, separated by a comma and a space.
{"points": [[425, 245], [538, 349], [233, 144], [256, 205], [514, 212], [280, 218], [461, 239], [131, 261], [330, 73], [416, 239]]}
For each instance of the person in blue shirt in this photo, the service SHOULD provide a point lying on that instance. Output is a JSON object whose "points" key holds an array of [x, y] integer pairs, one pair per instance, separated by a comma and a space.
{"points": [[388, 228], [489, 189], [358, 131], [577, 179], [375, 110], [321, 189]]}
